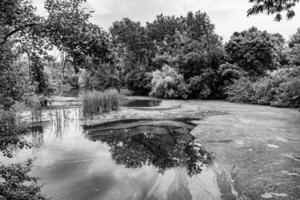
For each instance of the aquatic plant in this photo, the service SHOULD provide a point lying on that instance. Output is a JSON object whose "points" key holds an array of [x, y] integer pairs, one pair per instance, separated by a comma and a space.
{"points": [[15, 180], [10, 132], [97, 102]]}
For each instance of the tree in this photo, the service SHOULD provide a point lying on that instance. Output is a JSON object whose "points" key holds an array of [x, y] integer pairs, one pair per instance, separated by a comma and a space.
{"points": [[68, 28], [295, 39], [164, 27], [252, 50], [273, 7], [295, 55], [132, 36]]}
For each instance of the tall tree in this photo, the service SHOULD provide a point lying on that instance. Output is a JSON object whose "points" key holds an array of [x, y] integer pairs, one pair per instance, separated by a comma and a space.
{"points": [[253, 50], [132, 36]]}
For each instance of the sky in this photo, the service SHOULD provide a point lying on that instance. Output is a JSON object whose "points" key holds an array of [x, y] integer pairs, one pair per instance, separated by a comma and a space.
{"points": [[227, 15]]}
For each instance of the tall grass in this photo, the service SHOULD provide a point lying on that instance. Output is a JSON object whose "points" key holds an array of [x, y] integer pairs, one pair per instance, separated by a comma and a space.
{"points": [[96, 102], [8, 117]]}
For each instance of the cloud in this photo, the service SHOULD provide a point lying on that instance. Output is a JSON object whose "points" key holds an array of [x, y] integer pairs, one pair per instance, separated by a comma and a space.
{"points": [[227, 15]]}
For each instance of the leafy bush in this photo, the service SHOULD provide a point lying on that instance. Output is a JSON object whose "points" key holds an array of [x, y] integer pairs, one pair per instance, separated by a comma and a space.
{"points": [[10, 90], [73, 81], [204, 85], [102, 78], [168, 83], [126, 92], [139, 82], [227, 74], [96, 102], [240, 91], [279, 88], [198, 88], [18, 184]]}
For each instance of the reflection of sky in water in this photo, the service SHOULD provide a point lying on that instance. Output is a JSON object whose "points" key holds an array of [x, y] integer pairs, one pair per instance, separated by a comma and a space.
{"points": [[75, 168]]}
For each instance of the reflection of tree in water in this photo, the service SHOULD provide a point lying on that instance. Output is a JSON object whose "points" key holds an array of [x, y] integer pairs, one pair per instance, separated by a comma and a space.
{"points": [[162, 147]]}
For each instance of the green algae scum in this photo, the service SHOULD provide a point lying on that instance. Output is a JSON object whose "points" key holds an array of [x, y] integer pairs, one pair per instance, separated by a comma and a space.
{"points": [[192, 151]]}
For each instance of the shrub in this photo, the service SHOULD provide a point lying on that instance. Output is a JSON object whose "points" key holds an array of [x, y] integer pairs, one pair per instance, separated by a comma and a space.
{"points": [[139, 82], [73, 81], [126, 92], [279, 88], [10, 90], [168, 83], [240, 91], [204, 85], [16, 182], [227, 73], [101, 78], [287, 94], [96, 102]]}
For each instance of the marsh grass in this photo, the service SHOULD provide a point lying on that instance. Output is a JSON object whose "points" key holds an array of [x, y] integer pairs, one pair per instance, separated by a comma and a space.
{"points": [[7, 117], [96, 102]]}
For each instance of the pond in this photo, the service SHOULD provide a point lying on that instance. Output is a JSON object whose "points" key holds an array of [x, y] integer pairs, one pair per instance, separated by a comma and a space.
{"points": [[167, 155], [143, 103]]}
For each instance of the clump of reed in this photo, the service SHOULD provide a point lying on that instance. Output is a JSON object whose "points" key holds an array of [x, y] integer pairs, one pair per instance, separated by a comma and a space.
{"points": [[96, 102], [8, 117]]}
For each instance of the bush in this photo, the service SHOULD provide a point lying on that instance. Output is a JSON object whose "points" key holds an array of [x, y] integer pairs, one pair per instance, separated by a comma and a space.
{"points": [[204, 86], [16, 182], [73, 81], [139, 82], [240, 91], [126, 92], [96, 102], [279, 88], [227, 74], [168, 83], [100, 79]]}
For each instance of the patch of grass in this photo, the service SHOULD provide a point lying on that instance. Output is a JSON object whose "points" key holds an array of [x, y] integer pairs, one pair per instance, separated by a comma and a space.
{"points": [[96, 102]]}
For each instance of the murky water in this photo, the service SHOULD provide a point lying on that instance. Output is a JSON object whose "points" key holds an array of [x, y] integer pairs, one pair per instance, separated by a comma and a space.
{"points": [[131, 160], [143, 103], [255, 155]]}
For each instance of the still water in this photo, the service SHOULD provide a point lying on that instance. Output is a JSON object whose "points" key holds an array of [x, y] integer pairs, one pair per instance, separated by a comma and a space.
{"points": [[132, 162]]}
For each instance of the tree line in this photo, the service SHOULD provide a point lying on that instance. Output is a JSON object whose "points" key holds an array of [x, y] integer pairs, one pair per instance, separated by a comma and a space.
{"points": [[171, 57]]}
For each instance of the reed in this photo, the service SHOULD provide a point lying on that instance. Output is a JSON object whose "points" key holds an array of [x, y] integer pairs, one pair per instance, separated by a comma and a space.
{"points": [[96, 102], [8, 117]]}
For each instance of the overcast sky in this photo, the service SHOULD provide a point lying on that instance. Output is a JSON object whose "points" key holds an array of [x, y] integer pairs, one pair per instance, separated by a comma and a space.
{"points": [[227, 15]]}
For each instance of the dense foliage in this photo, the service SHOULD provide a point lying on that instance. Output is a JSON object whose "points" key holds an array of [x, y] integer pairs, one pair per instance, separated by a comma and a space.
{"points": [[279, 88], [252, 50], [135, 57], [168, 83]]}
